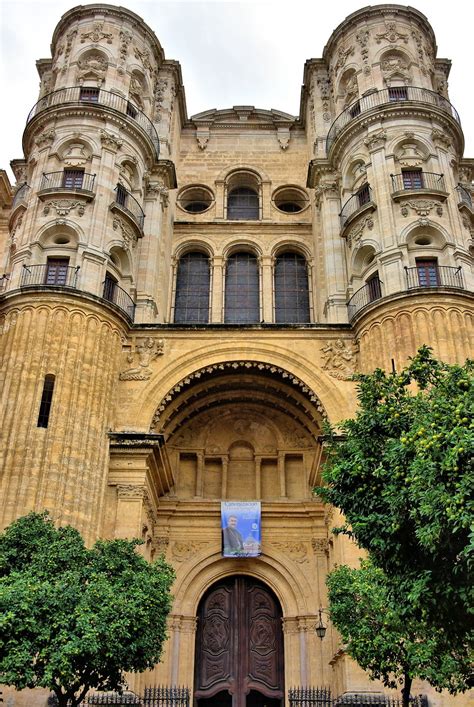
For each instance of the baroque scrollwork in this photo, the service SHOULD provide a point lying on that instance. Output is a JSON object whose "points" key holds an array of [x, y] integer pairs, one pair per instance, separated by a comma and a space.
{"points": [[422, 207], [63, 207], [340, 358], [97, 34], [295, 550], [356, 232], [391, 34]]}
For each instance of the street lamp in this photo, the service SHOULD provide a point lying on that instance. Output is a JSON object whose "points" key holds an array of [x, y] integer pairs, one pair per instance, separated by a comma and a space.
{"points": [[320, 628]]}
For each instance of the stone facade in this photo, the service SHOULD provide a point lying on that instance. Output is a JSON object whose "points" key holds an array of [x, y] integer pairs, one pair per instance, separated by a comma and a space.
{"points": [[161, 410]]}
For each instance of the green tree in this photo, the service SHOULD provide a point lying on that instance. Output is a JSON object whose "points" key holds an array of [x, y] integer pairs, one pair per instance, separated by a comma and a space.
{"points": [[383, 642], [74, 618], [402, 474]]}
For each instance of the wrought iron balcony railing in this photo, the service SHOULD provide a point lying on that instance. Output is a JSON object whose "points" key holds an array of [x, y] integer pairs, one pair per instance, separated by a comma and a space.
{"points": [[60, 275], [21, 195], [68, 180], [388, 96], [412, 180], [369, 292], [464, 197], [127, 202], [77, 95], [434, 276], [354, 203]]}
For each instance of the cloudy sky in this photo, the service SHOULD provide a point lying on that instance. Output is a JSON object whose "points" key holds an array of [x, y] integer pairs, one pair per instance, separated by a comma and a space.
{"points": [[231, 53]]}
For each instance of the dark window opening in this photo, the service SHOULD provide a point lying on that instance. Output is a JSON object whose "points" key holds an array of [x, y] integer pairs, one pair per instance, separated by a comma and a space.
{"points": [[373, 287], [196, 207], [73, 178], [412, 179], [46, 401], [291, 289], [398, 93], [110, 286], [121, 195], [243, 203], [428, 273], [242, 293], [354, 110], [363, 195], [290, 207], [56, 271], [192, 289], [91, 95], [131, 110]]}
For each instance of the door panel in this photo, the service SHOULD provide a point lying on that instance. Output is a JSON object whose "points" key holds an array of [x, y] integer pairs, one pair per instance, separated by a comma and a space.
{"points": [[239, 646]]}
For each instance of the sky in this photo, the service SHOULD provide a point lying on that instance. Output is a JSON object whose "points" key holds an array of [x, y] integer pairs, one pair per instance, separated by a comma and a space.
{"points": [[231, 53]]}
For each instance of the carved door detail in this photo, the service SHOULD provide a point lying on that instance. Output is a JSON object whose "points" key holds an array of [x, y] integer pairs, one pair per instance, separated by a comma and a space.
{"points": [[239, 646]]}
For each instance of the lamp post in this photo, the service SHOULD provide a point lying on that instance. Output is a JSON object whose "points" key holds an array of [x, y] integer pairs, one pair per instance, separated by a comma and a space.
{"points": [[320, 628]]}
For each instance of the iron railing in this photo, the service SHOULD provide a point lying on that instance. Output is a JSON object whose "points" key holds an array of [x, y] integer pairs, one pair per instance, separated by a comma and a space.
{"points": [[435, 276], [153, 697], [321, 697], [21, 195], [61, 180], [354, 203], [44, 276], [366, 294], [127, 202], [76, 95], [118, 296], [388, 96], [464, 197], [414, 180]]}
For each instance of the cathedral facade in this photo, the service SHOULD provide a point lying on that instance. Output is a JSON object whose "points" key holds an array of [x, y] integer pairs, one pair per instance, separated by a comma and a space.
{"points": [[185, 300]]}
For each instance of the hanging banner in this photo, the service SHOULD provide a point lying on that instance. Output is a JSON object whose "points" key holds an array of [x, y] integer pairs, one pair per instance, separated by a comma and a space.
{"points": [[241, 528]]}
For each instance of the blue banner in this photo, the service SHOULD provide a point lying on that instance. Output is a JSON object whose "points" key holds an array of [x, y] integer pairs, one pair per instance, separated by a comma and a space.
{"points": [[241, 528]]}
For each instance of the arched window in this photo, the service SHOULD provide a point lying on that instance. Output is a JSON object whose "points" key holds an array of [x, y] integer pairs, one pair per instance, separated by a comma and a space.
{"points": [[191, 304], [291, 289], [242, 203], [242, 297]]}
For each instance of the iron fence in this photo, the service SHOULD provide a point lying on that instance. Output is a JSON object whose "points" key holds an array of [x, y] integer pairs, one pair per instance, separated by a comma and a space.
{"points": [[354, 203], [464, 197], [47, 275], [388, 96], [66, 179], [159, 696], [118, 296], [416, 179], [369, 292], [321, 697], [79, 96], [21, 195], [127, 202], [434, 276]]}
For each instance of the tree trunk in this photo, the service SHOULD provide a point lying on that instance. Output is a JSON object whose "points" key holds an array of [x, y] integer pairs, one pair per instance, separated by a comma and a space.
{"points": [[406, 690]]}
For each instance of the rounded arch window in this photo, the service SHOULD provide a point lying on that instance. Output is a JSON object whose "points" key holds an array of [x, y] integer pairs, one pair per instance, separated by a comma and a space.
{"points": [[291, 289], [242, 291], [243, 203], [192, 289], [196, 200], [290, 200]]}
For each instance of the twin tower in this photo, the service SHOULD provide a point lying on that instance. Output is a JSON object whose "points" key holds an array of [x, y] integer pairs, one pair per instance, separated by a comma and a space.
{"points": [[185, 300]]}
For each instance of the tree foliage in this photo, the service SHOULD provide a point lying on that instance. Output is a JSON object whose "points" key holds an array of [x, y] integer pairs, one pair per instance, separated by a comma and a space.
{"points": [[379, 638], [402, 474], [75, 618]]}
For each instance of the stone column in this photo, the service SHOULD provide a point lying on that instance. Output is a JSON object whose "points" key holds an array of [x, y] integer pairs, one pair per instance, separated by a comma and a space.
{"points": [[217, 293], [225, 466], [266, 269]]}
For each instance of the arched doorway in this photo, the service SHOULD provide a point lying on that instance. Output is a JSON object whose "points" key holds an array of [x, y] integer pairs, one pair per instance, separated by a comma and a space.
{"points": [[239, 646]]}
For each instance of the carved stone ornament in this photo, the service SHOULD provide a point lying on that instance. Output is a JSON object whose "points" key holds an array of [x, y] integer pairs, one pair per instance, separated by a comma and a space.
{"points": [[110, 140], [391, 34], [324, 85], [375, 141], [329, 188], [45, 138], [143, 354], [351, 91], [63, 207], [159, 545], [342, 55], [439, 136], [144, 58], [423, 207], [295, 437], [394, 67], [182, 551], [409, 154], [320, 545], [131, 492], [125, 37], [97, 34], [128, 234], [295, 550], [362, 38], [76, 155], [154, 189], [283, 136], [93, 66], [356, 232], [340, 358]]}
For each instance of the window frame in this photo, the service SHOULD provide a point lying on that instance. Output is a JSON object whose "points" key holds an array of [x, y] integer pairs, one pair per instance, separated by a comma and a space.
{"points": [[188, 295], [297, 296], [235, 290]]}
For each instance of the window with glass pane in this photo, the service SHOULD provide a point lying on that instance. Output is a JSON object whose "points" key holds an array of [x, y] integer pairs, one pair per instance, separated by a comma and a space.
{"points": [[192, 289], [242, 203], [374, 290], [242, 298], [56, 271], [91, 95], [110, 287], [363, 195], [428, 274], [397, 93], [121, 195], [412, 179], [291, 289], [73, 178]]}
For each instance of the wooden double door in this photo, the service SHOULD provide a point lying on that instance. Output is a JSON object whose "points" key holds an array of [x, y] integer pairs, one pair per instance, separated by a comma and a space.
{"points": [[239, 646]]}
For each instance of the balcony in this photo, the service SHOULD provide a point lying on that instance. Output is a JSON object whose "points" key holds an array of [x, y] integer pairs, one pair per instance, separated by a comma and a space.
{"points": [[370, 292], [58, 275], [433, 275], [358, 203], [464, 199], [388, 97], [68, 180], [415, 181], [79, 96], [125, 203], [21, 196]]}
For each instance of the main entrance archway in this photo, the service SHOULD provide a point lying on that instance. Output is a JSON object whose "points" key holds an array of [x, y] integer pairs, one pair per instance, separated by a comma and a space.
{"points": [[239, 646]]}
